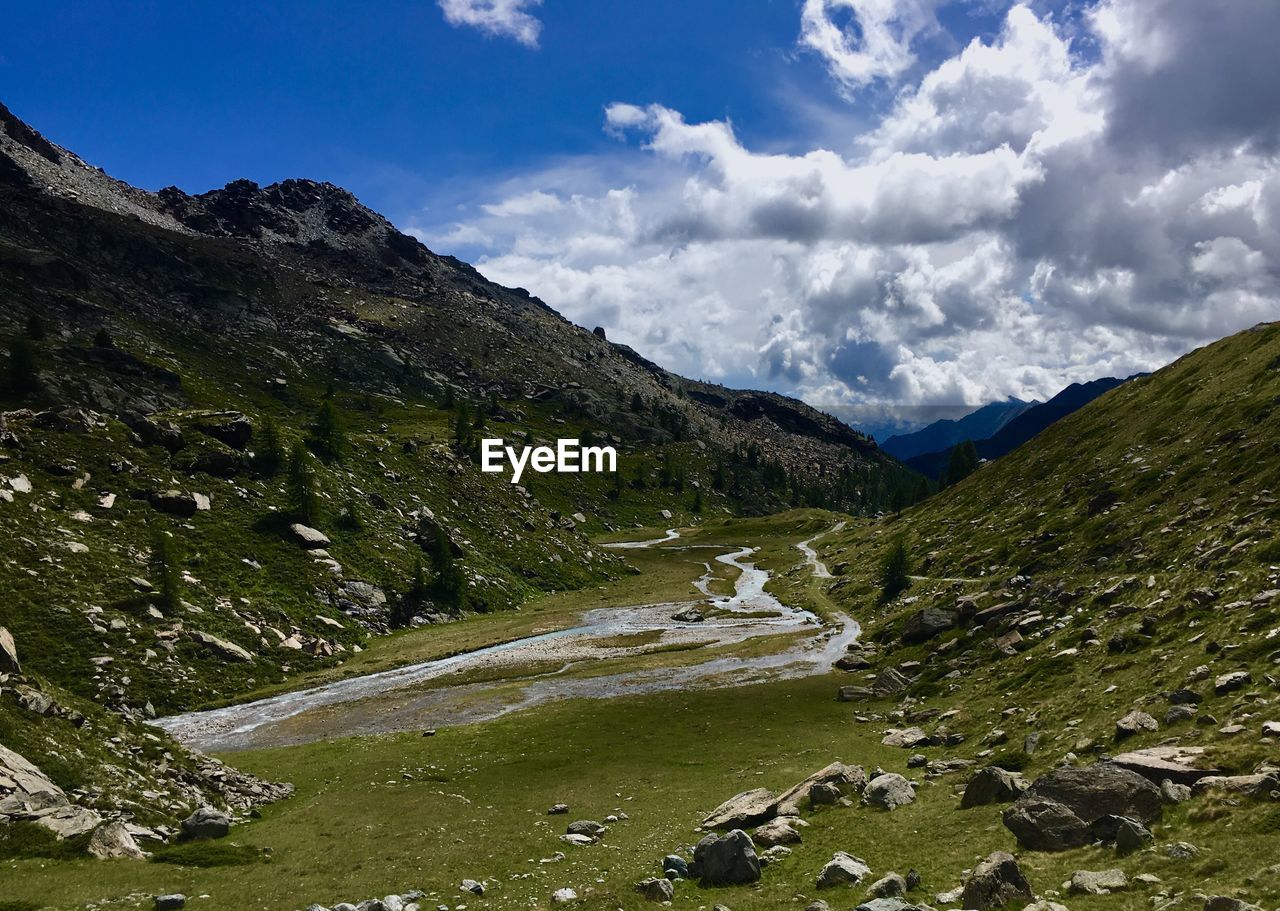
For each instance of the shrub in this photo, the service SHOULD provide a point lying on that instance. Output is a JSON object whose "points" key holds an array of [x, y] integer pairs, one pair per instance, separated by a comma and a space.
{"points": [[269, 455], [328, 434], [21, 377], [895, 570]]}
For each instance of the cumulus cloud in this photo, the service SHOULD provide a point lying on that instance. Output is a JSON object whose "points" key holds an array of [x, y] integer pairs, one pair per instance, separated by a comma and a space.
{"points": [[500, 18], [861, 41], [1027, 213]]}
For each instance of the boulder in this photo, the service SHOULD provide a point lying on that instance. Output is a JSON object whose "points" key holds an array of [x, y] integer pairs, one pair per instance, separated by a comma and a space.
{"points": [[992, 785], [675, 865], [890, 682], [206, 822], [587, 827], [891, 903], [655, 889], [690, 614], [8, 653], [1101, 789], [223, 648], [778, 831], [843, 869], [469, 885], [995, 883], [1229, 683], [171, 902], [1132, 836], [563, 896], [230, 427], [308, 537], [1045, 825], [925, 624], [889, 791], [854, 694], [847, 779], [746, 809], [1165, 763], [1135, 723], [888, 886], [175, 503], [1097, 882], [726, 860], [112, 840], [905, 738]]}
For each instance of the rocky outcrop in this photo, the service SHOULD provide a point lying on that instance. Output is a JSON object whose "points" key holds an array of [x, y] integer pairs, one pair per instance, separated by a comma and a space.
{"points": [[725, 860], [28, 795], [1058, 810], [848, 780], [992, 785], [746, 809], [997, 882]]}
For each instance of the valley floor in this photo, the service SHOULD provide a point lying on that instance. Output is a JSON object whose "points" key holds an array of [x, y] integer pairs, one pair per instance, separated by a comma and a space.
{"points": [[386, 813]]}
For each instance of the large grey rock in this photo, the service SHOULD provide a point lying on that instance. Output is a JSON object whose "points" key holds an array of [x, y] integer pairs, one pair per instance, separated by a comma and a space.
{"points": [[171, 902], [726, 860], [890, 682], [992, 785], [925, 624], [778, 831], [111, 841], [905, 738], [1097, 882], [890, 903], [997, 882], [843, 869], [587, 827], [656, 890], [8, 653], [175, 503], [889, 885], [1158, 763], [1045, 825], [67, 821], [1135, 722], [889, 791], [206, 822], [222, 647], [308, 537], [746, 809], [1132, 836], [1101, 789], [1229, 683], [847, 779]]}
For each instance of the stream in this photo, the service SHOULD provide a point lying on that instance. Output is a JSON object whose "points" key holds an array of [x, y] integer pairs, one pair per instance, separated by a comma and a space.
{"points": [[562, 664]]}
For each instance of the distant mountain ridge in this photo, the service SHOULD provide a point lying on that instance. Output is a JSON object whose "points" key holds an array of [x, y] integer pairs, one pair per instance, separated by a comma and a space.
{"points": [[1023, 426], [944, 434]]}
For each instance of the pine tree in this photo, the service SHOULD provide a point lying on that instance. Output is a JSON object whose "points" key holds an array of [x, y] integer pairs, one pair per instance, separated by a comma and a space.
{"points": [[697, 501], [35, 327], [895, 569], [304, 498], [406, 607], [328, 436], [164, 566], [963, 462], [450, 581], [22, 378], [269, 455]]}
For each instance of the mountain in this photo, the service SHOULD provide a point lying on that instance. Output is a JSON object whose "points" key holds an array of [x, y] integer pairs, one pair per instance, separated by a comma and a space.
{"points": [[239, 439], [946, 433], [1021, 427]]}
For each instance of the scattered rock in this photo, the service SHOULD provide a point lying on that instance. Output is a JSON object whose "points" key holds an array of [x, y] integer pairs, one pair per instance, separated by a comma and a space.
{"points": [[843, 869], [656, 890], [889, 791], [726, 860], [746, 809], [928, 623], [112, 841], [905, 738], [993, 785], [675, 865], [224, 648], [1132, 836], [472, 886], [1229, 683], [1135, 722], [170, 902], [1099, 882], [206, 822], [995, 883], [776, 832], [308, 537], [846, 779], [888, 886], [175, 503], [563, 896], [588, 827], [558, 809], [690, 614]]}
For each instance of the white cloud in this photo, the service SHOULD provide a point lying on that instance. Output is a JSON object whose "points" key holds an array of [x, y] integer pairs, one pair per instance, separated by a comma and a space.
{"points": [[873, 43], [500, 18], [996, 232]]}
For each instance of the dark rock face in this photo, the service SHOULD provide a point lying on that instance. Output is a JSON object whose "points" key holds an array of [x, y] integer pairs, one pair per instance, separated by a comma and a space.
{"points": [[992, 785], [175, 503], [726, 860], [1058, 810], [1099, 790], [1045, 825], [230, 427], [995, 883], [928, 623]]}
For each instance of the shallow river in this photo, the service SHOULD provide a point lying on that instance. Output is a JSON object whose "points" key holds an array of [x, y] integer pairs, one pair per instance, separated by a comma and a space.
{"points": [[418, 697]]}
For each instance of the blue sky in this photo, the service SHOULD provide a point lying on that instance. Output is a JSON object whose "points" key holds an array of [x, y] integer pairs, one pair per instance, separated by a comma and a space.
{"points": [[873, 204]]}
